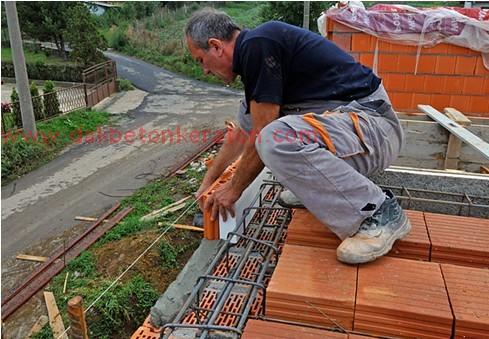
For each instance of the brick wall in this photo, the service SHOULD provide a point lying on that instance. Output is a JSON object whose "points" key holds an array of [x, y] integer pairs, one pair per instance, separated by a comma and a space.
{"points": [[447, 75]]}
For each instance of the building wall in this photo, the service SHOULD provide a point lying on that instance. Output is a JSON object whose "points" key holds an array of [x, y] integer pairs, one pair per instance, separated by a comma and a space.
{"points": [[447, 75]]}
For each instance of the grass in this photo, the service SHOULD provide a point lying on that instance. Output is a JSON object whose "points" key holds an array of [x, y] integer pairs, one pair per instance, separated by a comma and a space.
{"points": [[119, 312], [33, 57], [166, 28], [23, 153]]}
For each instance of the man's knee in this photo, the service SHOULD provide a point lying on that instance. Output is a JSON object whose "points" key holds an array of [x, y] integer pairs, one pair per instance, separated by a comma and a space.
{"points": [[274, 139]]}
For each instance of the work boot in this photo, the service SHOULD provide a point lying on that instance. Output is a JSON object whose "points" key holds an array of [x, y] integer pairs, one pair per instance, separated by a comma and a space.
{"points": [[289, 200], [376, 235]]}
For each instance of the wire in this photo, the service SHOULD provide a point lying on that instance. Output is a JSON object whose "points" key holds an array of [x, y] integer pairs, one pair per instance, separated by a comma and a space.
{"points": [[134, 262]]}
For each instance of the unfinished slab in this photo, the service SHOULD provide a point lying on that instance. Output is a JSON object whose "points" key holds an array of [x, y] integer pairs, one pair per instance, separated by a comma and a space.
{"points": [[310, 286], [402, 298], [468, 290], [459, 240]]}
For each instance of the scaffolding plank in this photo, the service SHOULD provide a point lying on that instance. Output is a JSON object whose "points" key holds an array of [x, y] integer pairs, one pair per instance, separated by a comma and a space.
{"points": [[460, 132], [55, 319]]}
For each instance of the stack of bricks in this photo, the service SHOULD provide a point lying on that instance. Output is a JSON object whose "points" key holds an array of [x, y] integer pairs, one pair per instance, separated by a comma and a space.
{"points": [[446, 75]]}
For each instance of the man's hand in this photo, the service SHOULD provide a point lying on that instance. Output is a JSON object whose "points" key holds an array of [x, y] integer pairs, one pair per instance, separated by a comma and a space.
{"points": [[222, 201]]}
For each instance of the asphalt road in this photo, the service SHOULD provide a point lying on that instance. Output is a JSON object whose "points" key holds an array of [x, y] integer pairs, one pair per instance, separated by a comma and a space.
{"points": [[88, 178]]}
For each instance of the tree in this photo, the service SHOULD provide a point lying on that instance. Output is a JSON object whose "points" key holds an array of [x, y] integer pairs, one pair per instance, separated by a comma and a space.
{"points": [[46, 21], [85, 41], [292, 12]]}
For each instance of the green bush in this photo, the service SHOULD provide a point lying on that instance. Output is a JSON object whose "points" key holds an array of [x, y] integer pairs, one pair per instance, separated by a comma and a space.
{"points": [[18, 154], [124, 85], [40, 71], [51, 102], [14, 98], [37, 105]]}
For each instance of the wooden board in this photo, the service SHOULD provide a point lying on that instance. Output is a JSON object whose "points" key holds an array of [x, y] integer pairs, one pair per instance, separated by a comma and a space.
{"points": [[457, 116], [55, 319], [31, 257], [454, 128]]}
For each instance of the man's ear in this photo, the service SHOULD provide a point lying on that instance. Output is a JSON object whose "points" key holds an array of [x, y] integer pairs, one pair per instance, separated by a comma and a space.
{"points": [[216, 44]]}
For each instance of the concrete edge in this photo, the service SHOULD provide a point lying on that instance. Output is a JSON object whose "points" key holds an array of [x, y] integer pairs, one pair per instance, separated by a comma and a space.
{"points": [[172, 300]]}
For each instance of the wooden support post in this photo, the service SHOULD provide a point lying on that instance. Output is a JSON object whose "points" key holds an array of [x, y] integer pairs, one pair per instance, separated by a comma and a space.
{"points": [[78, 325], [454, 143]]}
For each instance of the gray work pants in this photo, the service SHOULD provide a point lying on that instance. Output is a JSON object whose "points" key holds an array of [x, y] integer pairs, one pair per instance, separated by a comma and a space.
{"points": [[334, 187]]}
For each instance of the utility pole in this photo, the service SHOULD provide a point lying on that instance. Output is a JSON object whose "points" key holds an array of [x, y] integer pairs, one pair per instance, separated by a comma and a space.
{"points": [[26, 111], [305, 18]]}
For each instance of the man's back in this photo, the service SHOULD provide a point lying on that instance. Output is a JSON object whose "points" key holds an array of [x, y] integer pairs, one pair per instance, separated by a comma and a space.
{"points": [[283, 64]]}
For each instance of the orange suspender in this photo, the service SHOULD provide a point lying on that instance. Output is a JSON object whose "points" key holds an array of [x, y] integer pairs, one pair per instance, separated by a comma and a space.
{"points": [[319, 128]]}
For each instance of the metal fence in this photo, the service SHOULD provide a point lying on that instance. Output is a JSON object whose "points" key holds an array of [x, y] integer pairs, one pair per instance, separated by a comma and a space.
{"points": [[47, 105], [99, 82]]}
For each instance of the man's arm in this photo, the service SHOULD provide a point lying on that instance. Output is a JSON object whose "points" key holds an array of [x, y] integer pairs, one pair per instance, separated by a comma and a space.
{"points": [[231, 149], [249, 167]]}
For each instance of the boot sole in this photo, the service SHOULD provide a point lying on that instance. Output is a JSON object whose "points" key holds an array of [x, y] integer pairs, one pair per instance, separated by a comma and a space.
{"points": [[402, 232]]}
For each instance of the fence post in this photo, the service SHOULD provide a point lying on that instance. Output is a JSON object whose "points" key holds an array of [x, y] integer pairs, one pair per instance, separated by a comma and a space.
{"points": [[86, 94], [78, 325]]}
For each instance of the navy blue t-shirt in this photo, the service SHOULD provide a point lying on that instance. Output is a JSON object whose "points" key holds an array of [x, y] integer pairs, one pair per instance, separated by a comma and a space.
{"points": [[283, 64]]}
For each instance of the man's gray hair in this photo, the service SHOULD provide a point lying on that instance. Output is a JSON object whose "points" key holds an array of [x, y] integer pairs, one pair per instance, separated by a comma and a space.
{"points": [[209, 23]]}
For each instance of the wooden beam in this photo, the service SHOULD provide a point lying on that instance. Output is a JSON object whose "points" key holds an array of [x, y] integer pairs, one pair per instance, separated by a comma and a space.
{"points": [[55, 319], [173, 207], [454, 144], [188, 227], [31, 257], [485, 169], [463, 134], [457, 116]]}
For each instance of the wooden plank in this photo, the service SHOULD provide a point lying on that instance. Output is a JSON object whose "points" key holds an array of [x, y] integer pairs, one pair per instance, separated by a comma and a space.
{"points": [[485, 169], [188, 227], [43, 320], [457, 116], [31, 258], [55, 319], [167, 209], [453, 152], [79, 218], [460, 132]]}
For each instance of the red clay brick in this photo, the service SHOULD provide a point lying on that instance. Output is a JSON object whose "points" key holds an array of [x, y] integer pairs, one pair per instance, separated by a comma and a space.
{"points": [[407, 63], [401, 101], [453, 85], [362, 43], [433, 84], [468, 290], [480, 69], [479, 104], [397, 82], [459, 102], [398, 297], [343, 40], [465, 65], [147, 331], [445, 65], [440, 101], [420, 98], [474, 86], [459, 240], [417, 244], [308, 283], [388, 62], [426, 64], [415, 83], [438, 49], [258, 329], [367, 59]]}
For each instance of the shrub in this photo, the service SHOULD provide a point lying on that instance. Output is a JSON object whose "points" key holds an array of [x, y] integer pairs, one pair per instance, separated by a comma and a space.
{"points": [[51, 102], [55, 72], [14, 98], [124, 85], [37, 105]]}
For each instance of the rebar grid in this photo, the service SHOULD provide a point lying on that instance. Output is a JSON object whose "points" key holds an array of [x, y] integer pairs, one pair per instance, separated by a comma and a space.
{"points": [[241, 271]]}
